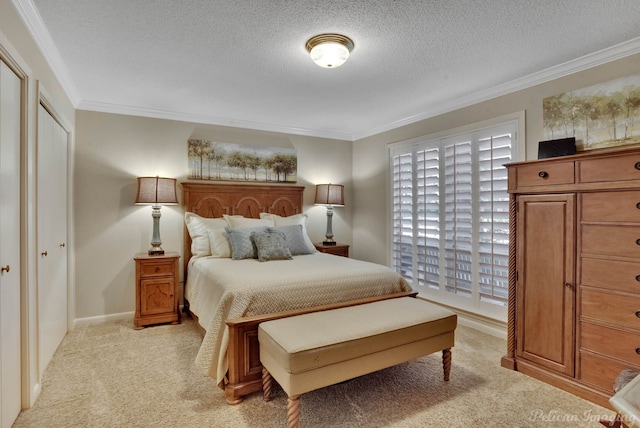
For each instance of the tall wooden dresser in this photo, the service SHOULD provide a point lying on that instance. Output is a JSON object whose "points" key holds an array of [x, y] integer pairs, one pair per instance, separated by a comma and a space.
{"points": [[574, 270]]}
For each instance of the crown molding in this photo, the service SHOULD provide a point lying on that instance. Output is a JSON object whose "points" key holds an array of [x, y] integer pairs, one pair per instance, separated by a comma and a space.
{"points": [[586, 62], [32, 20], [98, 106]]}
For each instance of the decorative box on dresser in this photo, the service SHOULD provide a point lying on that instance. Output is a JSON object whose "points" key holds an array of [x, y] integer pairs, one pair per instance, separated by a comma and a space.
{"points": [[336, 249], [156, 283], [574, 270]]}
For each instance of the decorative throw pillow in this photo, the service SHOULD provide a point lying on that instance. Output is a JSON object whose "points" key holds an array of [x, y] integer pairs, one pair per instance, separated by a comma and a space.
{"points": [[240, 221], [242, 246], [271, 246], [198, 228], [220, 245], [295, 239], [287, 221]]}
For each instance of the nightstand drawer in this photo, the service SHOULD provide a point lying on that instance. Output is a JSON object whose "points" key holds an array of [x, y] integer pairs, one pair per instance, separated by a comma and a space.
{"points": [[157, 268], [620, 309], [619, 344], [615, 168], [611, 206], [545, 174]]}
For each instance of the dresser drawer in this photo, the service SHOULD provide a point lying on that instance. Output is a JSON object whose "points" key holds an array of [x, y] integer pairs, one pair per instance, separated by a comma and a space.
{"points": [[618, 344], [620, 309], [157, 268], [600, 372], [611, 206], [620, 241], [615, 168], [611, 274], [545, 174]]}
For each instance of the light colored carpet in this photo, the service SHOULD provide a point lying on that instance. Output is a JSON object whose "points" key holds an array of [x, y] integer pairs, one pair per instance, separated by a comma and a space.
{"points": [[110, 375]]}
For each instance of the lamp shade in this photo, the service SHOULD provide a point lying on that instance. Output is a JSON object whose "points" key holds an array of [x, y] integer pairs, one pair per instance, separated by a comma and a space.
{"points": [[156, 190], [330, 194]]}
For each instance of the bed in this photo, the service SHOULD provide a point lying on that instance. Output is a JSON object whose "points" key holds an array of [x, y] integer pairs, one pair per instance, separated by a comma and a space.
{"points": [[230, 294]]}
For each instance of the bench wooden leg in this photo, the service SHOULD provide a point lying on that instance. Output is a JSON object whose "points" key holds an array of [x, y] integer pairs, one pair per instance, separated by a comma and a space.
{"points": [[446, 362], [267, 382], [293, 411]]}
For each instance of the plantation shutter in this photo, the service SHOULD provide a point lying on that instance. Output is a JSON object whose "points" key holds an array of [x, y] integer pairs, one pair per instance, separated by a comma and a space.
{"points": [[451, 215]]}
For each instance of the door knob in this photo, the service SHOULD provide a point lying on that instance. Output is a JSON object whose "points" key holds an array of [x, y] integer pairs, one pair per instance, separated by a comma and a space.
{"points": [[5, 268]]}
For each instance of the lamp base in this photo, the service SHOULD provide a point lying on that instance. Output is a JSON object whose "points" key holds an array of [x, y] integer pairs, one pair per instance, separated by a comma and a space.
{"points": [[156, 251], [328, 242]]}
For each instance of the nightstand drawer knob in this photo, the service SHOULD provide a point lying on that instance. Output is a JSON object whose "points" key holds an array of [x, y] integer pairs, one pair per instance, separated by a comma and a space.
{"points": [[543, 174], [638, 314], [638, 351], [638, 278], [158, 269], [637, 165]]}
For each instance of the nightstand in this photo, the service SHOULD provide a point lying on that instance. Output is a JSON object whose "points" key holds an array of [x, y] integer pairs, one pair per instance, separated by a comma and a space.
{"points": [[337, 250], [156, 283]]}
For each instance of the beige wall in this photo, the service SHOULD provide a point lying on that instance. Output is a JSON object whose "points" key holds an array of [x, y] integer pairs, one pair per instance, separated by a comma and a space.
{"points": [[371, 220], [112, 150]]}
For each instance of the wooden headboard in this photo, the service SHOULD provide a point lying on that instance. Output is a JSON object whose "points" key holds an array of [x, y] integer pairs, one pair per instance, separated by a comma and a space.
{"points": [[249, 200]]}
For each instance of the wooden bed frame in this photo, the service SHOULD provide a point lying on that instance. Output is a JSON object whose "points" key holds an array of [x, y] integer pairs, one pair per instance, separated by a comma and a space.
{"points": [[249, 200]]}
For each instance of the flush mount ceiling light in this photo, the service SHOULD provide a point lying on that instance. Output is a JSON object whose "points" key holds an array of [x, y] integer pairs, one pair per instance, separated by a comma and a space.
{"points": [[329, 50]]}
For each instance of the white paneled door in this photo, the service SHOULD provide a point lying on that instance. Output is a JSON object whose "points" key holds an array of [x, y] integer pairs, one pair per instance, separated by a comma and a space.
{"points": [[52, 235], [10, 377]]}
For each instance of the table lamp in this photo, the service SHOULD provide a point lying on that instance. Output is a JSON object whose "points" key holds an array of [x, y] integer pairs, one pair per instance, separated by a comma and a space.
{"points": [[157, 191], [330, 195]]}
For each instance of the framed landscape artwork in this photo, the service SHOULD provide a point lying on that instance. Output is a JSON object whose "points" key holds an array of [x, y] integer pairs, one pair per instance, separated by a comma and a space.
{"points": [[598, 116], [210, 160]]}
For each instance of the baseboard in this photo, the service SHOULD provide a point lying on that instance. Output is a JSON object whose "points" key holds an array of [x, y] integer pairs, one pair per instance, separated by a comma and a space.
{"points": [[486, 325], [106, 318], [103, 318], [490, 327]]}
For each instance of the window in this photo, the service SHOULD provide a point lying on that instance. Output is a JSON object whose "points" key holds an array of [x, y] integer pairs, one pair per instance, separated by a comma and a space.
{"points": [[450, 210]]}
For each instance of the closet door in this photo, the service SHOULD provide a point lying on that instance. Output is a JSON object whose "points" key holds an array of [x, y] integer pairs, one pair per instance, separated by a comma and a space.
{"points": [[52, 235], [10, 106]]}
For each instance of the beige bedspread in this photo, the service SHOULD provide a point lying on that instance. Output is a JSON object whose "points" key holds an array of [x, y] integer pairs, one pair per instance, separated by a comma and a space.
{"points": [[221, 288]]}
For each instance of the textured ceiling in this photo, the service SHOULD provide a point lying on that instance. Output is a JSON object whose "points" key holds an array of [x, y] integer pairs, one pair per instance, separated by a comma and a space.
{"points": [[243, 62]]}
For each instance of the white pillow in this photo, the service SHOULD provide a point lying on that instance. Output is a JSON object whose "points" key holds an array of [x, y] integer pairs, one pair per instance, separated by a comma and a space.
{"points": [[239, 221], [198, 228], [287, 221], [220, 245]]}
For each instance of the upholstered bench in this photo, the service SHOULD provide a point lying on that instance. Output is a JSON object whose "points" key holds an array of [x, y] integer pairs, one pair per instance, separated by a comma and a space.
{"points": [[311, 351]]}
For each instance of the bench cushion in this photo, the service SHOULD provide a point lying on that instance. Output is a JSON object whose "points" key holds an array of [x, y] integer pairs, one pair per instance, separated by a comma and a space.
{"points": [[311, 341]]}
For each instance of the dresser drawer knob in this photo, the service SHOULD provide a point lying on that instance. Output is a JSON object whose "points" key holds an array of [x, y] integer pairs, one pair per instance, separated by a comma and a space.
{"points": [[638, 241], [638, 351], [638, 278], [637, 165], [158, 269], [545, 174], [638, 314]]}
